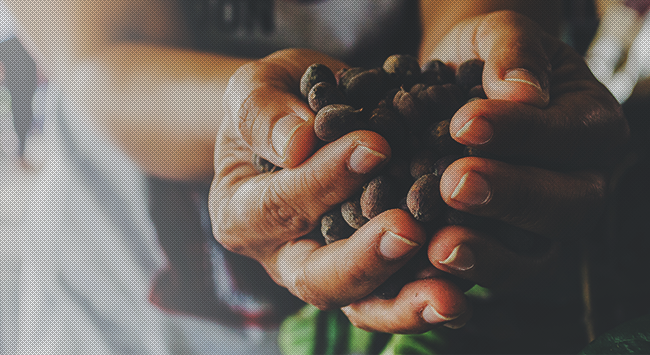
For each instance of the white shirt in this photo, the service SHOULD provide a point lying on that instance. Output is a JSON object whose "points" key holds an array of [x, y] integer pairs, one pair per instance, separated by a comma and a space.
{"points": [[86, 255], [7, 23]]}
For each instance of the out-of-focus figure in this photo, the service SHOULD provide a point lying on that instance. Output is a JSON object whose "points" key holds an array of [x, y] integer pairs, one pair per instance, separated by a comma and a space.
{"points": [[620, 53], [20, 79]]}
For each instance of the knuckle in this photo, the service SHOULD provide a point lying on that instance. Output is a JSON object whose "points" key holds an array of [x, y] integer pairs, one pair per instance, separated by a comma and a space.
{"points": [[326, 191], [232, 240], [279, 212], [221, 224], [242, 95], [232, 235], [233, 247], [246, 117]]}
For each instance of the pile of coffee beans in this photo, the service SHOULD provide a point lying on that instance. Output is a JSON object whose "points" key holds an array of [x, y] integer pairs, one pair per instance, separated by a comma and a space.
{"points": [[411, 107]]}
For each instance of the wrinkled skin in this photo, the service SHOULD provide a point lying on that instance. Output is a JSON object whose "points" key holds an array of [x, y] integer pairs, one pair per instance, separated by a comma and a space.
{"points": [[554, 117]]}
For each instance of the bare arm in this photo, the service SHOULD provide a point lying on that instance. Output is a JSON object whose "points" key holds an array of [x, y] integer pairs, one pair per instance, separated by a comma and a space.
{"points": [[437, 18], [161, 104]]}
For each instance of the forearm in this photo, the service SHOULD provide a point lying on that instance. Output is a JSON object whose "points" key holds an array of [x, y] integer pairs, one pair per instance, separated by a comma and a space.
{"points": [[437, 18], [161, 105]]}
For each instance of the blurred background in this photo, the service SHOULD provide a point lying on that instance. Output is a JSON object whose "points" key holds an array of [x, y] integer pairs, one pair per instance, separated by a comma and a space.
{"points": [[614, 36], [17, 176]]}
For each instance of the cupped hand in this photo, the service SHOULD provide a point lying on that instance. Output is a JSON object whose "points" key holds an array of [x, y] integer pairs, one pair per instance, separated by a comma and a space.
{"points": [[544, 109], [557, 131], [263, 97], [554, 133], [269, 216]]}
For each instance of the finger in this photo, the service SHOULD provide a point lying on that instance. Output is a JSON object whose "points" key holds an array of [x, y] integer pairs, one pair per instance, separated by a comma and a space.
{"points": [[515, 51], [482, 259], [347, 270], [420, 306], [517, 64], [277, 207], [583, 120], [273, 119], [551, 204], [582, 129], [278, 126]]}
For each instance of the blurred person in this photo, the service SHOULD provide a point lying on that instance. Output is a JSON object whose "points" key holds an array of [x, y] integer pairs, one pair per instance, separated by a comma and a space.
{"points": [[132, 88], [102, 273], [618, 54], [20, 79]]}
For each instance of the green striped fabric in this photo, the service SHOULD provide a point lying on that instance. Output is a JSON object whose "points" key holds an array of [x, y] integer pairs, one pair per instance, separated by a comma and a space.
{"points": [[312, 331]]}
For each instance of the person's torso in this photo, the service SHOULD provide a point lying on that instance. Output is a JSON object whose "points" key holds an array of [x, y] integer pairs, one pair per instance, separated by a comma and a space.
{"points": [[361, 32]]}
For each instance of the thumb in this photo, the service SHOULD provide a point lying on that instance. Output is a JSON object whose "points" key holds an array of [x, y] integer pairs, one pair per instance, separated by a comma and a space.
{"points": [[517, 66], [514, 49], [273, 121], [284, 205]]}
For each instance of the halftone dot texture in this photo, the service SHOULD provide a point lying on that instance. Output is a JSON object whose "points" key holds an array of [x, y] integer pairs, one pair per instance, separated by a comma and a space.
{"points": [[85, 263], [89, 264]]}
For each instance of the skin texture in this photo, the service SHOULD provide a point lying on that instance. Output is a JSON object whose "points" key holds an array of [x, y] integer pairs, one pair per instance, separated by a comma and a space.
{"points": [[162, 104], [164, 107], [263, 216]]}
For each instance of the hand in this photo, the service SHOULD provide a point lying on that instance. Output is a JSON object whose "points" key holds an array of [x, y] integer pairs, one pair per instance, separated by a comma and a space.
{"points": [[546, 112], [266, 216], [273, 215]]}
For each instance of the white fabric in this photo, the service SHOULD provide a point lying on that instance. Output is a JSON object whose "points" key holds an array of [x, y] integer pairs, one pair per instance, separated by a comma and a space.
{"points": [[88, 252], [7, 23], [86, 256]]}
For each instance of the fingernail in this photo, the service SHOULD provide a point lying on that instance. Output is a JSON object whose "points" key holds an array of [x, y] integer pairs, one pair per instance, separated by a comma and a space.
{"points": [[472, 190], [476, 131], [283, 132], [461, 258], [393, 246], [430, 315], [363, 160], [454, 326], [523, 76]]}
